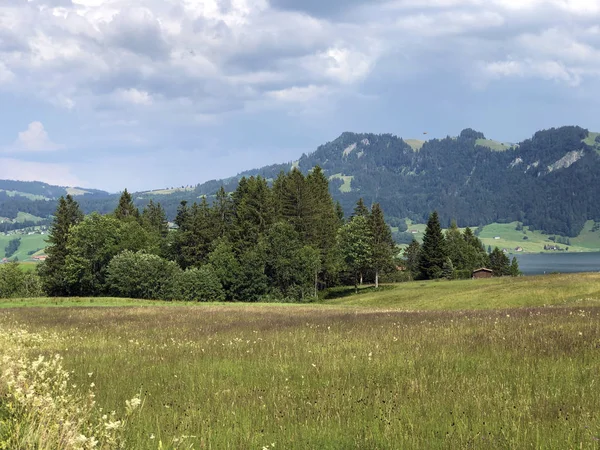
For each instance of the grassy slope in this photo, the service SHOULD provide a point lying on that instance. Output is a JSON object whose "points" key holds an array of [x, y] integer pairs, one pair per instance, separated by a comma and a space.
{"points": [[347, 186], [510, 238], [28, 243], [415, 144], [493, 145], [497, 293], [248, 376], [494, 293]]}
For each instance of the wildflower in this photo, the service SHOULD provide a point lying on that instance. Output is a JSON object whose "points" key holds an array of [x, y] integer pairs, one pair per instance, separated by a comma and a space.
{"points": [[113, 425]]}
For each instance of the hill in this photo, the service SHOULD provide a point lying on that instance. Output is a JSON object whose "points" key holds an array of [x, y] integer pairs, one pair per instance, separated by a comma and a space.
{"points": [[548, 182]]}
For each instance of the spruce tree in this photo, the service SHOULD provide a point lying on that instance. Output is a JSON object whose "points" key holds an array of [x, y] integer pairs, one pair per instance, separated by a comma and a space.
{"points": [[126, 210], [411, 258], [360, 209], [52, 271], [433, 251], [514, 268], [383, 247], [222, 210], [499, 263]]}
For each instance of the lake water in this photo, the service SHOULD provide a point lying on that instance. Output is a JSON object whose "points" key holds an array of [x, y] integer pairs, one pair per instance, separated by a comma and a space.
{"points": [[564, 262]]}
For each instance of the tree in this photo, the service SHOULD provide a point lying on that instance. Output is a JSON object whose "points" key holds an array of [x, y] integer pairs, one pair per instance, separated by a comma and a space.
{"points": [[141, 275], [154, 221], [456, 246], [499, 263], [126, 210], [12, 247], [15, 282], [433, 251], [52, 271], [222, 210], [514, 268], [360, 209], [92, 244], [411, 257], [225, 266], [383, 247], [198, 284], [354, 240]]}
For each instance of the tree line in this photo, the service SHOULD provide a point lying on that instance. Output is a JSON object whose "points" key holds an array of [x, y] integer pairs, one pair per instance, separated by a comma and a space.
{"points": [[284, 241], [454, 254]]}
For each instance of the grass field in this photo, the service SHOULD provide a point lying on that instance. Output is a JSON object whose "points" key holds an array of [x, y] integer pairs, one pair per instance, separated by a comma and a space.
{"points": [[372, 370], [511, 238], [493, 145], [415, 144], [347, 186], [28, 243]]}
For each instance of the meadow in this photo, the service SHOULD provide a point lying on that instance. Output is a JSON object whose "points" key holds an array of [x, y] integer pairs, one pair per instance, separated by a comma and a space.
{"points": [[508, 363], [511, 238]]}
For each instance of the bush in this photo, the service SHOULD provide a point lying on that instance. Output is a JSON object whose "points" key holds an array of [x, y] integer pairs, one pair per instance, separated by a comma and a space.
{"points": [[141, 275], [16, 283], [397, 276], [462, 274], [201, 285]]}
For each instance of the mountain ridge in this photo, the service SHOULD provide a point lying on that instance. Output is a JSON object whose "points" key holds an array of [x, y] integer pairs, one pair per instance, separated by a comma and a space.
{"points": [[548, 182]]}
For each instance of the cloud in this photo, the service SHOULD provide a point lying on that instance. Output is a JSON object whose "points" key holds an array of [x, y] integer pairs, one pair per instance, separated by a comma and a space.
{"points": [[34, 139], [52, 173]]}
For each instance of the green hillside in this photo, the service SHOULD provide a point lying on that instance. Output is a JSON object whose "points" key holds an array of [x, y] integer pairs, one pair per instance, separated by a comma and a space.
{"points": [[29, 243], [493, 145], [496, 293], [511, 238]]}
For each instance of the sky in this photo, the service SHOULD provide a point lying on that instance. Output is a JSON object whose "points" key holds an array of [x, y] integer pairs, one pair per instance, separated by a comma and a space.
{"points": [[147, 94]]}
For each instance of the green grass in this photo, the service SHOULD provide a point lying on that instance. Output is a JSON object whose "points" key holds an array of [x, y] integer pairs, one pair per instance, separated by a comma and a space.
{"points": [[591, 141], [415, 144], [493, 145], [28, 243], [25, 194], [23, 217], [347, 186], [537, 291], [587, 238], [511, 238], [360, 374]]}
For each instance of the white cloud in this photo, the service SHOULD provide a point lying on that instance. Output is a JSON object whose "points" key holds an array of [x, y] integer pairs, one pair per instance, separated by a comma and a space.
{"points": [[134, 96], [207, 58], [58, 174], [34, 139]]}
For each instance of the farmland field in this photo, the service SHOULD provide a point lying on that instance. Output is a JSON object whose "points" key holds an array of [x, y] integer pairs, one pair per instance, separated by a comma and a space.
{"points": [[373, 370], [511, 238]]}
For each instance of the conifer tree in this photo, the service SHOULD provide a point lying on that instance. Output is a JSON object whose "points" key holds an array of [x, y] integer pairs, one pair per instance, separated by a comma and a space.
{"points": [[499, 263], [383, 247], [514, 268], [222, 210], [433, 251], [360, 209], [411, 257], [126, 210], [52, 271]]}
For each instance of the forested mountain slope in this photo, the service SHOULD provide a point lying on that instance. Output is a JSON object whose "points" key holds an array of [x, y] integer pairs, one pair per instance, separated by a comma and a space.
{"points": [[549, 182]]}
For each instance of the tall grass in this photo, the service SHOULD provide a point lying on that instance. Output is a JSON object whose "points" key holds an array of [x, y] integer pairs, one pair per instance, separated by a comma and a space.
{"points": [[312, 377]]}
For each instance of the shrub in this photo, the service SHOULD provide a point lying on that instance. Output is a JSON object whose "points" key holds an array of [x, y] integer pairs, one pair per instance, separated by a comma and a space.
{"points": [[201, 285], [141, 275], [16, 283]]}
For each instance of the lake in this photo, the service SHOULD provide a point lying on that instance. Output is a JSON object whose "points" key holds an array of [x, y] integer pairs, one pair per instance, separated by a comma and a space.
{"points": [[564, 262]]}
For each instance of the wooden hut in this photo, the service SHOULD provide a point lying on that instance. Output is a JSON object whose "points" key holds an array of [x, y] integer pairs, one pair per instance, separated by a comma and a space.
{"points": [[482, 273]]}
